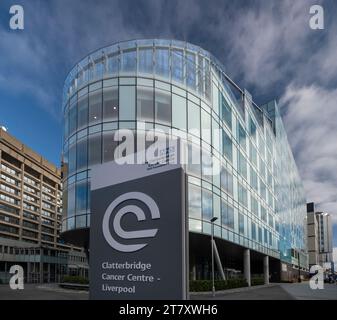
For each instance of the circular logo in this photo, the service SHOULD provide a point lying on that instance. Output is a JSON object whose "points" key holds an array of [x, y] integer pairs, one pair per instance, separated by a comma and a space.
{"points": [[138, 212]]}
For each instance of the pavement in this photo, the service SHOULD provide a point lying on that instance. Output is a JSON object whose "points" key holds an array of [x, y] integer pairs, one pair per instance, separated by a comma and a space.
{"points": [[280, 291], [41, 292]]}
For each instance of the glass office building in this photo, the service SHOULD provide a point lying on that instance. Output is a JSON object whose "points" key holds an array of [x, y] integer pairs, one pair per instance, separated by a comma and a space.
{"points": [[182, 89]]}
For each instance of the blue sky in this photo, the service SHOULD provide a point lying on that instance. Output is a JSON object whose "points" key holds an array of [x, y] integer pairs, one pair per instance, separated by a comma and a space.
{"points": [[266, 47]]}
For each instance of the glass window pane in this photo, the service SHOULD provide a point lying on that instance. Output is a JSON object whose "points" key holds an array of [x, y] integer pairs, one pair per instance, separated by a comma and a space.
{"points": [[241, 223], [162, 62], [94, 149], [207, 207], [206, 126], [227, 215], [177, 65], [191, 70], [241, 136], [194, 200], [145, 106], [145, 58], [193, 118], [71, 200], [178, 112], [227, 145], [82, 154], [82, 112], [113, 64], [72, 119], [110, 104], [95, 107], [226, 112], [163, 107], [129, 61], [81, 197], [109, 146], [194, 163], [72, 158], [127, 108]]}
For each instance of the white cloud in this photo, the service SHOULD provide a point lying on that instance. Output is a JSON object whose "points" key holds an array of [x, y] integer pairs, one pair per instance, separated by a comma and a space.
{"points": [[311, 127]]}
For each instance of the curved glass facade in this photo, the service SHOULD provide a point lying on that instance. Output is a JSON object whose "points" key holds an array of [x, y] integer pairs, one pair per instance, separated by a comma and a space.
{"points": [[182, 89]]}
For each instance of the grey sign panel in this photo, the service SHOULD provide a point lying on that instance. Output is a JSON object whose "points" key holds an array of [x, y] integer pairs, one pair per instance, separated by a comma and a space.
{"points": [[138, 232]]}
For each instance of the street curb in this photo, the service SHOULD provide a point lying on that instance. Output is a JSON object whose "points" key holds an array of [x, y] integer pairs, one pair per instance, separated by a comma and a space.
{"points": [[236, 290]]}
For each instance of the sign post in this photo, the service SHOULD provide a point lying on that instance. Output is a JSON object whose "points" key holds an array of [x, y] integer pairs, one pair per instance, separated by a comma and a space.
{"points": [[138, 232]]}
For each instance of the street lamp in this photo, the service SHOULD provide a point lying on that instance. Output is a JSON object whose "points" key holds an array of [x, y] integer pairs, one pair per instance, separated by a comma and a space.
{"points": [[212, 235]]}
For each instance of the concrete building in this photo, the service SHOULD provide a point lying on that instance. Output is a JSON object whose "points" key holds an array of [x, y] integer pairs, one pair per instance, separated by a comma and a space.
{"points": [[30, 208], [320, 247], [182, 89]]}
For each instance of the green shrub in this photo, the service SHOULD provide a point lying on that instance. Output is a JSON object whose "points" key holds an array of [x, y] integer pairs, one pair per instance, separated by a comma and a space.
{"points": [[75, 279], [257, 281], [206, 285]]}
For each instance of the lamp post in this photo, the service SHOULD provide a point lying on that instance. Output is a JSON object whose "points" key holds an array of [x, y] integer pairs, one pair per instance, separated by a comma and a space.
{"points": [[212, 235]]}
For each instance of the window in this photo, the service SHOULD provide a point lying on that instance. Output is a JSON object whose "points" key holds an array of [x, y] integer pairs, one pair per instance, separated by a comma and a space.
{"points": [[177, 65], [241, 136], [110, 104], [265, 235], [226, 112], [72, 158], [145, 106], [227, 215], [71, 200], [193, 118], [129, 61], [253, 154], [163, 107], [145, 58], [82, 154], [254, 180], [191, 70], [127, 108], [162, 62], [72, 119], [242, 165], [95, 107], [254, 206], [263, 190], [82, 112], [109, 146], [252, 128], [206, 126], [263, 213], [178, 112], [226, 179], [227, 146], [81, 197], [242, 194], [207, 208], [260, 234], [253, 231], [241, 223], [95, 149], [270, 220], [194, 199]]}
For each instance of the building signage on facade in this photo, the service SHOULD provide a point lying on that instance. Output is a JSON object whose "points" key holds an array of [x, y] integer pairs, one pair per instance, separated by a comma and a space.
{"points": [[138, 231]]}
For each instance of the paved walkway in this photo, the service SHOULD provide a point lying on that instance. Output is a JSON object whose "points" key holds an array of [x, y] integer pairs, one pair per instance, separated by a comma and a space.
{"points": [[265, 292], [302, 291], [282, 291], [41, 292]]}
